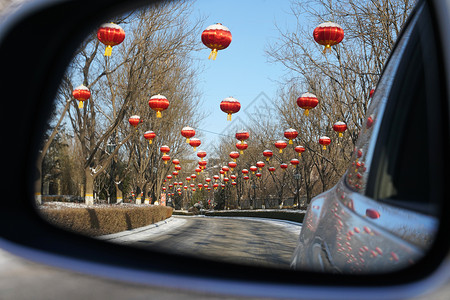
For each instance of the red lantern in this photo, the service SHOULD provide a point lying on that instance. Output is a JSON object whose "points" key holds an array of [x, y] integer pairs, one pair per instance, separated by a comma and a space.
{"points": [[299, 150], [268, 154], [134, 121], [81, 93], [246, 177], [232, 165], [188, 179], [244, 171], [201, 154], [258, 175], [216, 177], [164, 149], [216, 37], [271, 169], [284, 166], [164, 188], [328, 34], [222, 172], [233, 183], [242, 146], [226, 179], [242, 135], [200, 186], [158, 103], [187, 132], [208, 179], [307, 101], [215, 186], [198, 170], [291, 134], [149, 135], [324, 141], [175, 173], [192, 185], [253, 169], [176, 161], [110, 34], [169, 177], [177, 167], [185, 187], [234, 155], [165, 158], [340, 127], [194, 142], [233, 177], [295, 162], [260, 164], [193, 176], [371, 93], [280, 145], [202, 163], [225, 169], [230, 106]]}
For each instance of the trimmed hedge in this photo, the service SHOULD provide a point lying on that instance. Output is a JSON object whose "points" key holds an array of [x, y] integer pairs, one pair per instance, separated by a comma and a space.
{"points": [[290, 215], [94, 221]]}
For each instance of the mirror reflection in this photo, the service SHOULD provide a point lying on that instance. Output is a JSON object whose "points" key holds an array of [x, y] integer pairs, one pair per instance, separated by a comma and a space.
{"points": [[210, 129]]}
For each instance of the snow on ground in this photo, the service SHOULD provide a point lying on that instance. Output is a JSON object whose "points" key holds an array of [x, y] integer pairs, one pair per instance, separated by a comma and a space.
{"points": [[152, 230], [62, 205]]}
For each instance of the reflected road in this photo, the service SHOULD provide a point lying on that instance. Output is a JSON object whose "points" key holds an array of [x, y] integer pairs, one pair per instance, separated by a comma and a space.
{"points": [[238, 240]]}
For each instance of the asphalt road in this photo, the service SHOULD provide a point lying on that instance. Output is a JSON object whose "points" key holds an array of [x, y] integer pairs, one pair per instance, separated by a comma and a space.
{"points": [[238, 240]]}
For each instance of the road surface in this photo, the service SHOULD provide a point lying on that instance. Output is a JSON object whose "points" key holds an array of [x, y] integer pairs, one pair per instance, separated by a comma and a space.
{"points": [[238, 240]]}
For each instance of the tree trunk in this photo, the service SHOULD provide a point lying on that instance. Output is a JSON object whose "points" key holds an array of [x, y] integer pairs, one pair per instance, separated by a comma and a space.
{"points": [[38, 180], [89, 196], [118, 194]]}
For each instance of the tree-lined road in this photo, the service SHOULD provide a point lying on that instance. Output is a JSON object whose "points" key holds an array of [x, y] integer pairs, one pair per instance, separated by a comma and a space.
{"points": [[238, 240]]}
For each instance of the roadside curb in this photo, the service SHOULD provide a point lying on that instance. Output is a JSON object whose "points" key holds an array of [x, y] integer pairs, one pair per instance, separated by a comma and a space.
{"points": [[133, 231]]}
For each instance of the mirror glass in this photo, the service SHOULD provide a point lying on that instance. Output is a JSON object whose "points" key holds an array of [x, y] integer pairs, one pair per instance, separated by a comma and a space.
{"points": [[206, 128]]}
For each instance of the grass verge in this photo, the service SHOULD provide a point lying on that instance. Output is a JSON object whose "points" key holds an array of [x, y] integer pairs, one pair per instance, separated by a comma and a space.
{"points": [[94, 221]]}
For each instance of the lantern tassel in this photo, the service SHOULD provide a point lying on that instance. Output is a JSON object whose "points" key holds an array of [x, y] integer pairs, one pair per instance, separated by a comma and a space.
{"points": [[158, 114], [213, 54], [195, 149], [165, 162], [306, 112], [267, 159], [299, 154], [150, 142], [229, 117], [340, 134], [80, 104], [187, 140], [327, 48], [108, 51], [324, 147], [242, 152], [290, 142], [281, 150]]}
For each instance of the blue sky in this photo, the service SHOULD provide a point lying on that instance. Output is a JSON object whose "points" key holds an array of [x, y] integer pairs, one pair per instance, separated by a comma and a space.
{"points": [[242, 70]]}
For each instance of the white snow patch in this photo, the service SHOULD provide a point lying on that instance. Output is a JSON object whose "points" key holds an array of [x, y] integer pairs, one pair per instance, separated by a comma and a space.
{"points": [[147, 232]]}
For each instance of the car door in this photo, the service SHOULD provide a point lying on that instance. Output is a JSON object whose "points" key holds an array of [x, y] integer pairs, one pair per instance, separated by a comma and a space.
{"points": [[383, 214]]}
